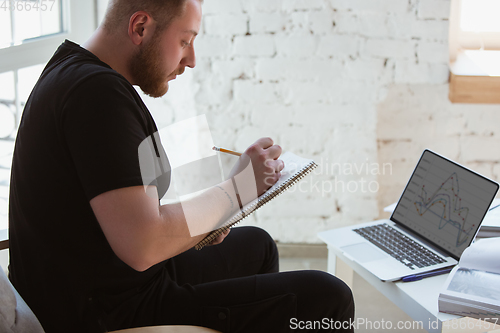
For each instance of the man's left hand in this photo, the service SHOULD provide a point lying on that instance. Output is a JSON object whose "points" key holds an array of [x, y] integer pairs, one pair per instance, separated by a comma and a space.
{"points": [[220, 238]]}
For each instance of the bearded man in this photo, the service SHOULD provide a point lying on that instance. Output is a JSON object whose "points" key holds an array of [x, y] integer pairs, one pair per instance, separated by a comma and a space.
{"points": [[90, 249]]}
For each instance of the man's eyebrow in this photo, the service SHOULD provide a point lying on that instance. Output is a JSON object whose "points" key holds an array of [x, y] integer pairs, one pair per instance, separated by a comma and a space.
{"points": [[195, 33]]}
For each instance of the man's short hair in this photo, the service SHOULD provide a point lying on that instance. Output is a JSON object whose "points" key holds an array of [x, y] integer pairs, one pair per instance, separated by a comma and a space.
{"points": [[163, 12]]}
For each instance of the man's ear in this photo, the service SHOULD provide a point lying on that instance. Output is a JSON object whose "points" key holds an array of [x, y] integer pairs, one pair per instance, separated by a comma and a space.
{"points": [[141, 26]]}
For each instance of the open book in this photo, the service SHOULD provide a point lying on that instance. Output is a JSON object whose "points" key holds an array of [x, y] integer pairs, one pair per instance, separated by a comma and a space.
{"points": [[295, 169], [473, 286]]}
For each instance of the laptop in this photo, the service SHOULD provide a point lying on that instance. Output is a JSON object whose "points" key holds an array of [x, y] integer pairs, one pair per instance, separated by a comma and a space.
{"points": [[436, 218]]}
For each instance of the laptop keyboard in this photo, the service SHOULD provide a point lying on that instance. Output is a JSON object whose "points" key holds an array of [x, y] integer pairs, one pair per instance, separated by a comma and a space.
{"points": [[399, 246]]}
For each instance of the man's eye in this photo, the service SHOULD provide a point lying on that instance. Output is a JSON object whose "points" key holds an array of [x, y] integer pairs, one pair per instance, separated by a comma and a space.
{"points": [[184, 43]]}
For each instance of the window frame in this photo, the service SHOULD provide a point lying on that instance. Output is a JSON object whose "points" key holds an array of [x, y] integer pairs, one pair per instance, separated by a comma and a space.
{"points": [[77, 27]]}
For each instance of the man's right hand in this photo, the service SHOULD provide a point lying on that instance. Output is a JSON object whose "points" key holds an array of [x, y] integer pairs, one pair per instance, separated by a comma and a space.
{"points": [[263, 155]]}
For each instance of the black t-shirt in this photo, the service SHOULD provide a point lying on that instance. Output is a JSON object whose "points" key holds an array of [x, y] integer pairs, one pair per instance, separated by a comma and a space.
{"points": [[79, 137]]}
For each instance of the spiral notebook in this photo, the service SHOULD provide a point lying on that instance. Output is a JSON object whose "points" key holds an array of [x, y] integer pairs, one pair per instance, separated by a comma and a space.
{"points": [[295, 169]]}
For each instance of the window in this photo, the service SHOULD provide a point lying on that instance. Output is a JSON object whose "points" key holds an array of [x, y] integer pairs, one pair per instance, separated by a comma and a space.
{"points": [[479, 27], [24, 20], [32, 31], [33, 37], [475, 51]]}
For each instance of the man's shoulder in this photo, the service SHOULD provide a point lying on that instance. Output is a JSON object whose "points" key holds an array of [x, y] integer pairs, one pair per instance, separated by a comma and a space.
{"points": [[72, 65], [73, 56]]}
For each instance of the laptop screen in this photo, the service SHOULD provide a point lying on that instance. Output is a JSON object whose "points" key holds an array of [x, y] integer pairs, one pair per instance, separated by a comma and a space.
{"points": [[444, 203]]}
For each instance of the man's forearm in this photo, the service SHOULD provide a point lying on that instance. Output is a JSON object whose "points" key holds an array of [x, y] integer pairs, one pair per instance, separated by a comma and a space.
{"points": [[191, 220], [142, 233]]}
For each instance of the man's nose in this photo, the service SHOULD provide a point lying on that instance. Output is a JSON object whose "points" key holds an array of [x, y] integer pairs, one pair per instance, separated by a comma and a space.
{"points": [[190, 59]]}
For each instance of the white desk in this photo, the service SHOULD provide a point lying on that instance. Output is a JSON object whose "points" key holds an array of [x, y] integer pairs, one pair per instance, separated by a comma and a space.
{"points": [[418, 299]]}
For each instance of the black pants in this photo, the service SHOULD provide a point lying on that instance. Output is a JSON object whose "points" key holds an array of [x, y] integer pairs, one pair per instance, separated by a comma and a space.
{"points": [[235, 287]]}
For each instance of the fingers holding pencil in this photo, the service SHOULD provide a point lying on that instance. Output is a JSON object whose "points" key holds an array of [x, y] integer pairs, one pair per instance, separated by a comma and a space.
{"points": [[264, 156]]}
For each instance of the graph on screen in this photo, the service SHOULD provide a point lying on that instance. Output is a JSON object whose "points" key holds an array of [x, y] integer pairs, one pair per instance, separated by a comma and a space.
{"points": [[445, 202]]}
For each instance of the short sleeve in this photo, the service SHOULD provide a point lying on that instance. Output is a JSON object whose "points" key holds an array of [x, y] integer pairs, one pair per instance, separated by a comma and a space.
{"points": [[103, 124]]}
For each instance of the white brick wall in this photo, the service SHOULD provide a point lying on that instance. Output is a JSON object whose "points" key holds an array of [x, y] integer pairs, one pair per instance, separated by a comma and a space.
{"points": [[226, 25], [334, 46], [297, 46], [433, 52], [302, 5], [213, 46], [222, 7], [340, 81], [434, 9], [363, 6], [390, 48], [262, 23], [409, 71], [254, 46]]}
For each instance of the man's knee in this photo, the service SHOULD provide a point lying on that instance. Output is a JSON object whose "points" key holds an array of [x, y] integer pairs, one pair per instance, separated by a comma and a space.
{"points": [[334, 292], [338, 288], [259, 241]]}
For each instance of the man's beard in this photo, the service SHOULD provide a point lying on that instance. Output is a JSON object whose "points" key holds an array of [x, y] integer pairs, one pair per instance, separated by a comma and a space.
{"points": [[145, 68]]}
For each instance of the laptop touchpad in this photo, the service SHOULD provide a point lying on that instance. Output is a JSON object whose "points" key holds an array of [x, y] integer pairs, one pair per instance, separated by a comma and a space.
{"points": [[363, 252]]}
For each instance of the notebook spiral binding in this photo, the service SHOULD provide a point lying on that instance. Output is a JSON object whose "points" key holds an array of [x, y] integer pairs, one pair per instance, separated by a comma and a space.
{"points": [[259, 203]]}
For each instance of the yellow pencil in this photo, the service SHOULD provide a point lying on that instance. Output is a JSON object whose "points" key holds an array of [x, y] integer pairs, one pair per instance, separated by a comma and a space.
{"points": [[227, 151]]}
